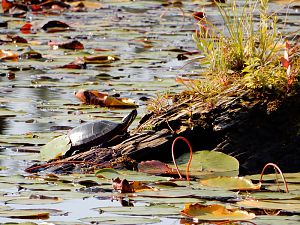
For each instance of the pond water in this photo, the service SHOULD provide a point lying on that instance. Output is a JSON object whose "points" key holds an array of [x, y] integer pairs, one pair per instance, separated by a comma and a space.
{"points": [[147, 36]]}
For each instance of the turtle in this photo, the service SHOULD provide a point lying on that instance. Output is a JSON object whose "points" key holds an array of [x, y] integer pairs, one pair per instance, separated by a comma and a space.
{"points": [[100, 133]]}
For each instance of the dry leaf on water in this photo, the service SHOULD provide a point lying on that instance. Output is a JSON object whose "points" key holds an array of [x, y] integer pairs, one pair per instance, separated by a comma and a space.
{"points": [[214, 212], [94, 97], [124, 186], [8, 55]]}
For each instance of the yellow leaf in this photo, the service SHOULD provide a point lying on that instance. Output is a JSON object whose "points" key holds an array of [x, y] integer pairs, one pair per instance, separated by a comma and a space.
{"points": [[215, 212]]}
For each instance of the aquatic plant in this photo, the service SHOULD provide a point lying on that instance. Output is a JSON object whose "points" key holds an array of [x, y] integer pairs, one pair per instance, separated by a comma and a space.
{"points": [[254, 52]]}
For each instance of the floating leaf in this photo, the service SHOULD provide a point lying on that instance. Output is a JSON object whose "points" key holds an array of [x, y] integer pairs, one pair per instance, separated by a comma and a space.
{"points": [[231, 183], [31, 54], [25, 214], [120, 220], [259, 204], [156, 210], [94, 97], [55, 148], [26, 28], [24, 223], [110, 173], [16, 39], [100, 59], [35, 200], [154, 167], [123, 186], [8, 55], [214, 212], [209, 161], [272, 195], [7, 5], [78, 63], [54, 26], [73, 45]]}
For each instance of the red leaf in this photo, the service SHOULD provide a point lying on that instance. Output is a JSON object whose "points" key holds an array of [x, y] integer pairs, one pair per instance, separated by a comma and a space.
{"points": [[199, 15], [76, 64], [73, 45], [36, 7], [6, 5], [154, 167], [285, 62], [17, 39], [26, 28]]}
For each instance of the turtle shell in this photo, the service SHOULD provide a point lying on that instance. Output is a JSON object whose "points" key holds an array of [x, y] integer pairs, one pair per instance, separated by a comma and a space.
{"points": [[93, 133], [98, 133]]}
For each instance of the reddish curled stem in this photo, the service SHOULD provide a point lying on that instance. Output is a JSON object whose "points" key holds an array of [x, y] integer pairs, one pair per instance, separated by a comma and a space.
{"points": [[190, 159], [60, 162], [280, 172]]}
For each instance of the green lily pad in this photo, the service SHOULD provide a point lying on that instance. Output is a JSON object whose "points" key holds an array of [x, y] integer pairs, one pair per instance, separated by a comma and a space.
{"points": [[231, 183], [48, 187], [31, 138], [34, 201], [270, 205], [165, 200], [273, 195], [155, 210], [109, 173], [55, 148], [277, 220], [120, 220], [209, 161]]}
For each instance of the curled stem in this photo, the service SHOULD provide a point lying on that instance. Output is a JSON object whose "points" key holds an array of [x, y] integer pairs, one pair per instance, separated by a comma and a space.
{"points": [[277, 169], [190, 159]]}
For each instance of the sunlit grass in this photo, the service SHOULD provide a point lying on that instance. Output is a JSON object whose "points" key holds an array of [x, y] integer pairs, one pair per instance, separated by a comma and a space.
{"points": [[250, 50]]}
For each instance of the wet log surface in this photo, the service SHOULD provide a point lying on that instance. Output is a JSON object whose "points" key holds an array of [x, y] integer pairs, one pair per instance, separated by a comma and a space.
{"points": [[254, 129]]}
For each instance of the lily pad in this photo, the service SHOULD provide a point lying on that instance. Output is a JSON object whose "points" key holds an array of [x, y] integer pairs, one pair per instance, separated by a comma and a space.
{"points": [[56, 148], [215, 213], [209, 161], [155, 210], [120, 220], [35, 201], [109, 173], [26, 214], [270, 205], [231, 183]]}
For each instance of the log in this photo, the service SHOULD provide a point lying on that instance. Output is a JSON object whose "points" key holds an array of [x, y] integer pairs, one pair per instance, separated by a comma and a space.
{"points": [[253, 127]]}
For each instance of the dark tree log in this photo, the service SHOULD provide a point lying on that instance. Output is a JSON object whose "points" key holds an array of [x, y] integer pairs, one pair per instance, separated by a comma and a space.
{"points": [[253, 128]]}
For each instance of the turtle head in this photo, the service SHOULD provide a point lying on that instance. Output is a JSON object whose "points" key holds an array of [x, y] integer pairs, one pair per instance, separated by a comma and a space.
{"points": [[129, 118]]}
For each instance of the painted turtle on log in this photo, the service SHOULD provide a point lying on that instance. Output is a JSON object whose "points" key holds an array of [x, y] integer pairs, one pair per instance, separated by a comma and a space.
{"points": [[100, 133]]}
